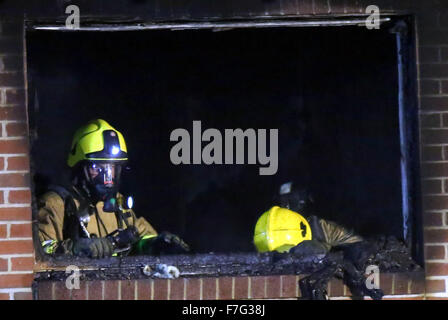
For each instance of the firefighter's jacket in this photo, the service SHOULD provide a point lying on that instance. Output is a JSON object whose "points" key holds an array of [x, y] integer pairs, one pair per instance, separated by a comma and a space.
{"points": [[331, 234], [52, 223]]}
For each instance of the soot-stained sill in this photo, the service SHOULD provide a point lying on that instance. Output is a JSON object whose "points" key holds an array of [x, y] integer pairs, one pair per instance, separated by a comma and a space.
{"points": [[197, 265]]}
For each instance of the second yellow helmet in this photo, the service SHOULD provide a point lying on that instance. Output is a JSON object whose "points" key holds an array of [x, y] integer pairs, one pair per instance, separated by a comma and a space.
{"points": [[280, 229]]}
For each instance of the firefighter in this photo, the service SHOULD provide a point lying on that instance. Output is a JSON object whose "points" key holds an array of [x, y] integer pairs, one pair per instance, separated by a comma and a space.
{"points": [[90, 218], [280, 229]]}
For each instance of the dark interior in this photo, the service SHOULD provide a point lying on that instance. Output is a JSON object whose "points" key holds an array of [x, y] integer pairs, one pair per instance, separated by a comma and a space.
{"points": [[331, 92]]}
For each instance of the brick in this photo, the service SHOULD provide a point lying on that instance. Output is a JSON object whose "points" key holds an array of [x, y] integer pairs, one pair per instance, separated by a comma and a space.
{"points": [[273, 287], [320, 7], [434, 136], [95, 289], [241, 288], [22, 230], [2, 200], [336, 288], [337, 6], [433, 286], [193, 288], [11, 45], [12, 28], [435, 70], [257, 287], [144, 289], [404, 298], [353, 6], [61, 292], [4, 296], [3, 231], [16, 214], [289, 7], [23, 296], [12, 180], [177, 289], [2, 163], [12, 113], [305, 7], [429, 36], [434, 252], [386, 282], [436, 269], [445, 185], [127, 290], [15, 96], [14, 146], [429, 87], [444, 86], [3, 264], [13, 79], [289, 286], [16, 246], [432, 219], [434, 170], [429, 54], [160, 289], [16, 129], [22, 264], [13, 63], [16, 280], [401, 283], [45, 290], [19, 196], [432, 186], [81, 293], [225, 288], [18, 163], [432, 153], [272, 7], [111, 290], [435, 202], [417, 283], [436, 235], [209, 288]]}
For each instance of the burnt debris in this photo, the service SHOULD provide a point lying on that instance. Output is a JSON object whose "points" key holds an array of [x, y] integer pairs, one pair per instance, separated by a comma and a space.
{"points": [[391, 256]]}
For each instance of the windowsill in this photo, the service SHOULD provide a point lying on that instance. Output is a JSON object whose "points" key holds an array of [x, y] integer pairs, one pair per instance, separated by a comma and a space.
{"points": [[198, 265]]}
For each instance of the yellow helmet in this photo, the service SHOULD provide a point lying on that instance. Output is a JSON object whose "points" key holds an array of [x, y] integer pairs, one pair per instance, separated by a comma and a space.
{"points": [[280, 229], [97, 141]]}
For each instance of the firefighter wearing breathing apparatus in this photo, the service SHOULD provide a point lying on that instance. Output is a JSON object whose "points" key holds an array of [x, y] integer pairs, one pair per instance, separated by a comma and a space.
{"points": [[283, 229], [91, 218]]}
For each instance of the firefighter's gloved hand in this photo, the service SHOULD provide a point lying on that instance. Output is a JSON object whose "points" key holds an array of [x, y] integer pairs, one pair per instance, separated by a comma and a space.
{"points": [[166, 243], [308, 248], [95, 248]]}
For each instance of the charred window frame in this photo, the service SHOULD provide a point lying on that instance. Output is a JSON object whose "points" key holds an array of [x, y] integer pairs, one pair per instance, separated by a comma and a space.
{"points": [[238, 264]]}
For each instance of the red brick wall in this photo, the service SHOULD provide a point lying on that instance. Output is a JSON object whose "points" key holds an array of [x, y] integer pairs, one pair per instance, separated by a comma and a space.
{"points": [[433, 67], [16, 246], [16, 251], [395, 286]]}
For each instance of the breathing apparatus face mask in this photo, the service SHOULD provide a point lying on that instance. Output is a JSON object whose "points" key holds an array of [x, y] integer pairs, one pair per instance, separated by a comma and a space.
{"points": [[103, 180]]}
